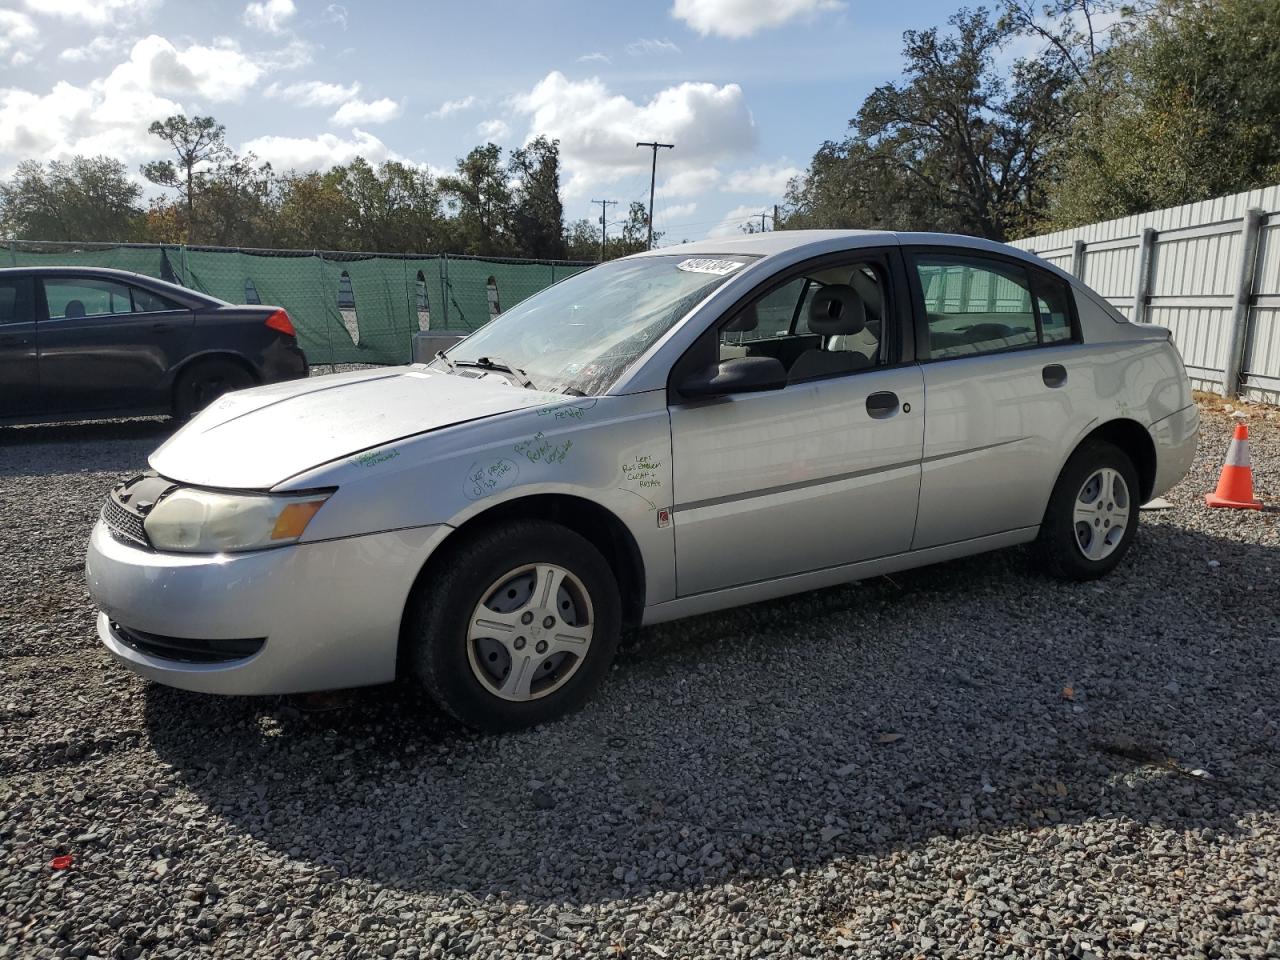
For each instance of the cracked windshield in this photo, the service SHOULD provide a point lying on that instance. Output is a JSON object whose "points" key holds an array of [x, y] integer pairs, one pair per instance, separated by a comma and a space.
{"points": [[580, 335]]}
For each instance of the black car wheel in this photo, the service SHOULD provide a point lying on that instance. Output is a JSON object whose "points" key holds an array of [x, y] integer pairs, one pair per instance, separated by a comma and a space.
{"points": [[204, 382], [1092, 514], [519, 627]]}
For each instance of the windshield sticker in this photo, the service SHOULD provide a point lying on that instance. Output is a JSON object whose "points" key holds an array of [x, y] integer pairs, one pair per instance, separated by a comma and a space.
{"points": [[373, 457], [719, 268], [485, 479], [539, 448]]}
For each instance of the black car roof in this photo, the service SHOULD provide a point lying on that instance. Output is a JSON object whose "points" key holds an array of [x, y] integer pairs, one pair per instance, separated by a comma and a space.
{"points": [[110, 273]]}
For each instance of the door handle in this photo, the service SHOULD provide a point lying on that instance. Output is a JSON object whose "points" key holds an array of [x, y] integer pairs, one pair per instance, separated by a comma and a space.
{"points": [[882, 404], [1054, 375]]}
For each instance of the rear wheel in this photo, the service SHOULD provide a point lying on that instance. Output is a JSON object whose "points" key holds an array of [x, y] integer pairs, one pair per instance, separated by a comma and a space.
{"points": [[204, 382], [1092, 515], [518, 629]]}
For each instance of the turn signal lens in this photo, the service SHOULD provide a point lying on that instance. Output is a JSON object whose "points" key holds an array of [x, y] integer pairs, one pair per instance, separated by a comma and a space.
{"points": [[294, 518], [280, 321]]}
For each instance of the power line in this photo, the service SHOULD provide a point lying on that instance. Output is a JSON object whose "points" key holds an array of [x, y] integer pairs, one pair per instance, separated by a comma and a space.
{"points": [[653, 176], [604, 222]]}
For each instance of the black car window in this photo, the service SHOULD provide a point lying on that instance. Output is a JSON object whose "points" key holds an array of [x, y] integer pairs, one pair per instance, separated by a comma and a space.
{"points": [[73, 297], [13, 301], [145, 301]]}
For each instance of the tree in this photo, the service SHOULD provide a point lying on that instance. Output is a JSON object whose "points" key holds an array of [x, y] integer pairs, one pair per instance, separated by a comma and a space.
{"points": [[958, 146], [1182, 108], [537, 223], [86, 198], [635, 232], [481, 200], [194, 141], [238, 199], [315, 213]]}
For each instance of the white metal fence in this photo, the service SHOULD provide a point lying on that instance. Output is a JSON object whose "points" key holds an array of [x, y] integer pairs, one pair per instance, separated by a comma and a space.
{"points": [[1209, 271]]}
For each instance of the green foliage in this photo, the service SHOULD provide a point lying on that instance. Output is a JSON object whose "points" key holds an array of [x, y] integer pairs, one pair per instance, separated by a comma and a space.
{"points": [[88, 198], [537, 215], [195, 141], [958, 146], [1125, 107], [1181, 110]]}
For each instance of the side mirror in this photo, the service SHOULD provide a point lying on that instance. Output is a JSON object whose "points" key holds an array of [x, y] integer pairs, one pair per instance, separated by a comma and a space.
{"points": [[739, 375]]}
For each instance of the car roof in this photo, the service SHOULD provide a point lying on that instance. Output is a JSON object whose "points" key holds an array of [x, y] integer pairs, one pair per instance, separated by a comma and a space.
{"points": [[826, 241], [64, 269]]}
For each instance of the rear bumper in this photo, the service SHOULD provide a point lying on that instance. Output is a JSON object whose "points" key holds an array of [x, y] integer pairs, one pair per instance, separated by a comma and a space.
{"points": [[284, 361], [329, 612], [1175, 438]]}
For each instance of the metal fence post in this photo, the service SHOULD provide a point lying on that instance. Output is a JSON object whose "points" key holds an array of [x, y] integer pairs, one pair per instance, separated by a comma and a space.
{"points": [[1077, 259], [444, 287], [1142, 282], [1237, 335], [13, 253]]}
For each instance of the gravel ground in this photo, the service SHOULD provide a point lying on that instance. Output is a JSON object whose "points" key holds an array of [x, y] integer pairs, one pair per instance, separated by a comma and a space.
{"points": [[965, 760]]}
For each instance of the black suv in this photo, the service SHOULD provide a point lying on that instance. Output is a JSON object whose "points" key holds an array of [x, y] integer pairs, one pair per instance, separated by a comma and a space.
{"points": [[86, 343]]}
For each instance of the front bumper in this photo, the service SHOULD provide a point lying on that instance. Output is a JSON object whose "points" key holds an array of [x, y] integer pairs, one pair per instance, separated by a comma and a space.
{"points": [[329, 611]]}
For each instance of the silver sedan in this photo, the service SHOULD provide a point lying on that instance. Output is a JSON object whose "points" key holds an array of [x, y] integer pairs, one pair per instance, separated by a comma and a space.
{"points": [[669, 434]]}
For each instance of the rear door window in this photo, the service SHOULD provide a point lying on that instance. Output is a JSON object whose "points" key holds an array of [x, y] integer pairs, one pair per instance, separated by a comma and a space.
{"points": [[144, 301], [15, 300], [75, 297]]}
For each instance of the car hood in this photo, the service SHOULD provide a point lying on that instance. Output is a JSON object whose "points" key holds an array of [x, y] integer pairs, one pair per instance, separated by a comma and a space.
{"points": [[258, 438]]}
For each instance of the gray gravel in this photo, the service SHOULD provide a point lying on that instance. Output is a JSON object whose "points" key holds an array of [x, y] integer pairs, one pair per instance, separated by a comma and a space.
{"points": [[966, 760]]}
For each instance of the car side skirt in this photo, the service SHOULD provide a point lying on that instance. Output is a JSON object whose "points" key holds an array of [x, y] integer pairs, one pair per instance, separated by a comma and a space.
{"points": [[830, 576]]}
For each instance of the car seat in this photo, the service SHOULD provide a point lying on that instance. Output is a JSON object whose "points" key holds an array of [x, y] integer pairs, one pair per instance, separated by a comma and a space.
{"points": [[835, 311]]}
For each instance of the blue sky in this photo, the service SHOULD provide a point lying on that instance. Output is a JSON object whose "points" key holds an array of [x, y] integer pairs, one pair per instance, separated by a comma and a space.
{"points": [[747, 89]]}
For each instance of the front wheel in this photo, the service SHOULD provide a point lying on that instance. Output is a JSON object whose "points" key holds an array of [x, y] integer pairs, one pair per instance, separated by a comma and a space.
{"points": [[1092, 515], [519, 628]]}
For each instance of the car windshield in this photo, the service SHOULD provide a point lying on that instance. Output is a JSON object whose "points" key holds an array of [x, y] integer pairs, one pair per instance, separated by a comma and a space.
{"points": [[581, 335]]}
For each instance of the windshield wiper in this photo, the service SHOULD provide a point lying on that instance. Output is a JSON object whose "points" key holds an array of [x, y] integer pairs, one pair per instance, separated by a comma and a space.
{"points": [[496, 364]]}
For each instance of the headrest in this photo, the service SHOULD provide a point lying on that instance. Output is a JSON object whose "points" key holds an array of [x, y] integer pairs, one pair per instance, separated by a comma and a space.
{"points": [[746, 320], [74, 309], [837, 310]]}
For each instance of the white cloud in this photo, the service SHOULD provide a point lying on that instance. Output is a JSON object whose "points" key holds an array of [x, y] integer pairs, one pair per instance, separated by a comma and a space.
{"points": [[313, 93], [673, 213], [20, 59], [452, 106], [335, 13], [110, 115], [598, 129], [95, 13], [645, 47], [293, 55], [18, 36], [689, 183], [318, 153], [97, 48], [596, 57], [355, 112], [742, 18], [269, 15], [494, 130], [731, 224], [766, 178]]}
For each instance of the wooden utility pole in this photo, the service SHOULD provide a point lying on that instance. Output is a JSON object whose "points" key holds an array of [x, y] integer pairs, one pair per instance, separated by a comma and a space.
{"points": [[604, 222], [653, 177]]}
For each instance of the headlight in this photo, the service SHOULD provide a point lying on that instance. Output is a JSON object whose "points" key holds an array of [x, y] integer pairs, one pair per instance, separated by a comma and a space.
{"points": [[200, 521]]}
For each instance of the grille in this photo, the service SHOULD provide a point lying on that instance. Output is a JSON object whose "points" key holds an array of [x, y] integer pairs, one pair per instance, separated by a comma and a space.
{"points": [[124, 525], [186, 649]]}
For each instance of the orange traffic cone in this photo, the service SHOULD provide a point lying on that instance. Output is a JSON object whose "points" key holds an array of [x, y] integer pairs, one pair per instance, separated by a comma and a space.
{"points": [[1235, 485]]}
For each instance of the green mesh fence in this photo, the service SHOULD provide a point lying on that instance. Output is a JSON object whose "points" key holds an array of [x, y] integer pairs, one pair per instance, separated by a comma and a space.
{"points": [[347, 307]]}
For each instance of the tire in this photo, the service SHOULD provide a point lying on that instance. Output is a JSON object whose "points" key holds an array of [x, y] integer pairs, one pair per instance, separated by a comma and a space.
{"points": [[204, 382], [1078, 536], [495, 577]]}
